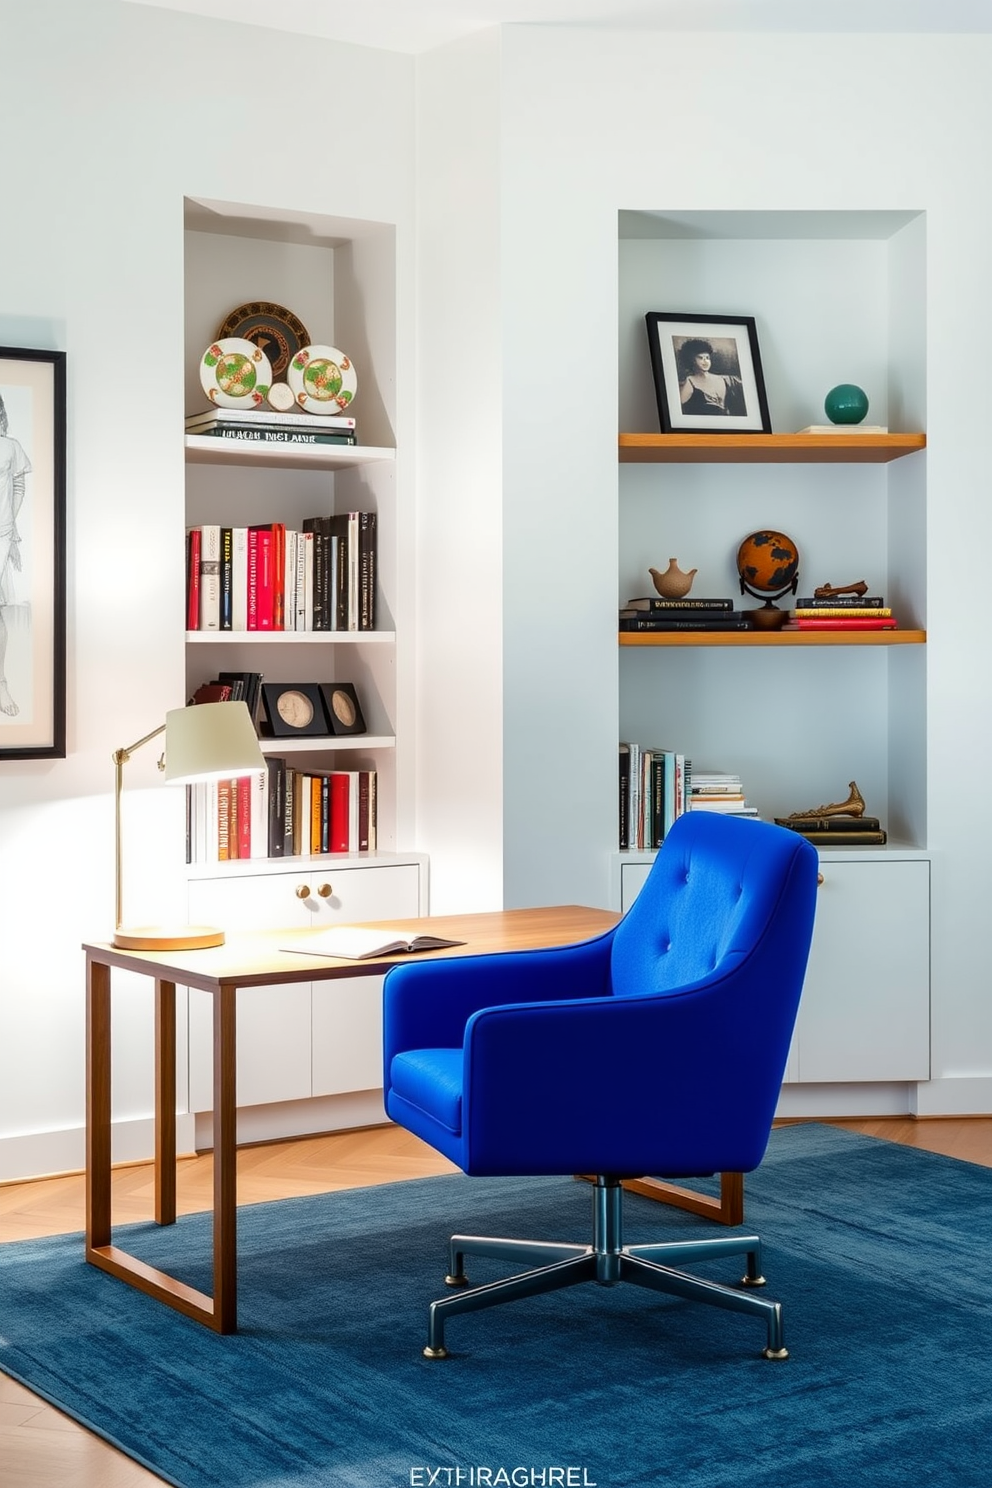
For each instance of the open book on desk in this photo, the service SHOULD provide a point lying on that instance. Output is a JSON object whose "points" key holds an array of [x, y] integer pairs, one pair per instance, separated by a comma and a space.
{"points": [[353, 943]]}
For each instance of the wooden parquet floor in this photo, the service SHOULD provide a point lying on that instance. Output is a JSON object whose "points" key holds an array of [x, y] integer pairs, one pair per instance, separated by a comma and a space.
{"points": [[41, 1448]]}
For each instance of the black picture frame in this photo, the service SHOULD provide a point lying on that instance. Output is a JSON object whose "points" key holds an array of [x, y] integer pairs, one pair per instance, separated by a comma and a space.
{"points": [[728, 396], [279, 722], [344, 711], [32, 553]]}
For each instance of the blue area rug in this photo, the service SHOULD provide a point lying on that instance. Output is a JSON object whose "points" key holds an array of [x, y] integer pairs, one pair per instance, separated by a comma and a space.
{"points": [[880, 1255]]}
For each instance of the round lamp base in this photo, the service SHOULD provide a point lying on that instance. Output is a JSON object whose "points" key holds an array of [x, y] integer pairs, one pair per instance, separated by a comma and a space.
{"points": [[167, 937]]}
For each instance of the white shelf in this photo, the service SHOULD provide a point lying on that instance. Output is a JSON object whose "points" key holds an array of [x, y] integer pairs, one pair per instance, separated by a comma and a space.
{"points": [[289, 637], [202, 450], [326, 743]]}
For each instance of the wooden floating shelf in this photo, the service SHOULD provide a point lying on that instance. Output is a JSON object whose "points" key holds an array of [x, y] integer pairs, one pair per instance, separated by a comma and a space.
{"points": [[767, 449], [772, 638]]}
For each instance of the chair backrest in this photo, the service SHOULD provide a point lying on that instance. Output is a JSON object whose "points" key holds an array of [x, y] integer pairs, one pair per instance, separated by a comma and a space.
{"points": [[720, 891], [717, 942]]}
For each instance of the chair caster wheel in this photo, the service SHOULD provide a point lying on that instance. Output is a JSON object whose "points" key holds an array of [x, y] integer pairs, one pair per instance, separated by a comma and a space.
{"points": [[770, 1353], [456, 1281], [438, 1353]]}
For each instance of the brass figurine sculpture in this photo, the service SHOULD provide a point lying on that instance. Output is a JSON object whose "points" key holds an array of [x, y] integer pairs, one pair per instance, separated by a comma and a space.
{"points": [[853, 806], [828, 591]]}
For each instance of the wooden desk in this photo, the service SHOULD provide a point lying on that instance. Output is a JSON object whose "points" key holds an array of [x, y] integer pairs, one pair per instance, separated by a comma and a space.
{"points": [[245, 961]]}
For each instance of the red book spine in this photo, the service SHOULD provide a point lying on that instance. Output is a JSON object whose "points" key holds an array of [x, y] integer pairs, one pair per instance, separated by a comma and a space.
{"points": [[266, 586], [244, 786], [841, 622], [278, 576], [193, 579], [340, 784], [252, 578]]}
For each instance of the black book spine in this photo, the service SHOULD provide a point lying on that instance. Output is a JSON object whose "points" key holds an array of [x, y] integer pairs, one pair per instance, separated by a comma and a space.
{"points": [[277, 808], [366, 570], [624, 797], [679, 606], [226, 578], [841, 601], [717, 622]]}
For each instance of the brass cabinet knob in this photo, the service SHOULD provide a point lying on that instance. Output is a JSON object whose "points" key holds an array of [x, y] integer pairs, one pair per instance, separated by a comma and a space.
{"points": [[324, 890], [303, 891], [819, 879]]}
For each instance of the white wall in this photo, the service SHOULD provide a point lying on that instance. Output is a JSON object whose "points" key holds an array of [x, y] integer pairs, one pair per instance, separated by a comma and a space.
{"points": [[460, 471], [521, 147], [594, 122], [110, 114]]}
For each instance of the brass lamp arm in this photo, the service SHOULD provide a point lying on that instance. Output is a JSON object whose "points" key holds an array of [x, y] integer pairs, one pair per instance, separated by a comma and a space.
{"points": [[121, 757]]}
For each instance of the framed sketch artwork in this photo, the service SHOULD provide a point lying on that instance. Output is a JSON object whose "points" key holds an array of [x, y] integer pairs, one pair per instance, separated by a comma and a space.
{"points": [[32, 554], [707, 374]]}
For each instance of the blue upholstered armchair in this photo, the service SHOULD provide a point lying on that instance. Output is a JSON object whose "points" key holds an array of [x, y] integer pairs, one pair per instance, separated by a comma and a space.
{"points": [[657, 1048]]}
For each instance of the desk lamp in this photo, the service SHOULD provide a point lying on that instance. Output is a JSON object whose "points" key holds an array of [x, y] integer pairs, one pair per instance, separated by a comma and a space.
{"points": [[211, 741]]}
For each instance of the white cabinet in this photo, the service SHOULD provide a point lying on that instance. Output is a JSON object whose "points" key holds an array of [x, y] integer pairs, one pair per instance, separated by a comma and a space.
{"points": [[864, 1017], [865, 1010], [305, 1040]]}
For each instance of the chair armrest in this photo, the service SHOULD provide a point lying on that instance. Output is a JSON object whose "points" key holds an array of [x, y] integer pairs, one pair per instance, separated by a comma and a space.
{"points": [[584, 1070], [427, 1004]]}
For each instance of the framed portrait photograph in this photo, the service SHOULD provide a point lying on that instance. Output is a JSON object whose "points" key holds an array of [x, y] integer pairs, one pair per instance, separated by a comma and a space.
{"points": [[32, 554], [707, 374]]}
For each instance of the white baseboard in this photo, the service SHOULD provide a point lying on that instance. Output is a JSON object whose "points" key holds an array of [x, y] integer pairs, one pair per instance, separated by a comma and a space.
{"points": [[41, 1154], [811, 1101], [957, 1096], [961, 1095], [302, 1118]]}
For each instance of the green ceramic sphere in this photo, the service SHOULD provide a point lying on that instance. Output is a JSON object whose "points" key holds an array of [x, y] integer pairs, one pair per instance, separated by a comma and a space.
{"points": [[846, 404]]}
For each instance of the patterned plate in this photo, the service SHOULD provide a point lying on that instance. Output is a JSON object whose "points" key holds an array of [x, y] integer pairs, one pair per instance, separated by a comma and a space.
{"points": [[323, 379], [274, 330], [235, 373]]}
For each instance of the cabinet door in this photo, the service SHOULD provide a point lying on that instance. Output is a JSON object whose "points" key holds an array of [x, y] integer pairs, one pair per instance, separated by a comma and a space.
{"points": [[299, 1040], [633, 877], [347, 1014], [865, 1010]]}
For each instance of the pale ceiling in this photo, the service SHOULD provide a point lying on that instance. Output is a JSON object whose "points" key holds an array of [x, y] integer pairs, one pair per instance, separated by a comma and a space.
{"points": [[417, 25]]}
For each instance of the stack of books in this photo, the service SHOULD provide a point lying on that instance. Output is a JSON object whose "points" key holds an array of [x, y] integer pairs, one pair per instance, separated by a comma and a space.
{"points": [[843, 612], [281, 812], [657, 614], [718, 790], [654, 789], [270, 427], [270, 577], [837, 831]]}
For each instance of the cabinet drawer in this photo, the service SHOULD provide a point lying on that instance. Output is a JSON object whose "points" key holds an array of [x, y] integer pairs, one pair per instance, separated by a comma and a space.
{"points": [[269, 901]]}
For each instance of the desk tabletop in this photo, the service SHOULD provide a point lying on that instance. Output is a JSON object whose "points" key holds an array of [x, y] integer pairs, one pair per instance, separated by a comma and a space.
{"points": [[255, 959]]}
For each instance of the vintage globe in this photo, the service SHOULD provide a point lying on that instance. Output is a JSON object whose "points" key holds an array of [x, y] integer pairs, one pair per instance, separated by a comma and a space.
{"points": [[768, 564]]}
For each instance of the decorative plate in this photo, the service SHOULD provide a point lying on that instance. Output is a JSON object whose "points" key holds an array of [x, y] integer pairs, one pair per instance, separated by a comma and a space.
{"points": [[273, 329], [323, 379], [235, 374]]}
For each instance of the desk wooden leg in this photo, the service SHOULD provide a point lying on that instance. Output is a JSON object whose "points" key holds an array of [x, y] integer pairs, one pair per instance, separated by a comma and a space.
{"points": [[728, 1209], [225, 1318], [165, 1103], [97, 1105]]}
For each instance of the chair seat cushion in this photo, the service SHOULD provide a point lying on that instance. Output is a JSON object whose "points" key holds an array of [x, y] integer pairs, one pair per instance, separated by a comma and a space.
{"points": [[431, 1080]]}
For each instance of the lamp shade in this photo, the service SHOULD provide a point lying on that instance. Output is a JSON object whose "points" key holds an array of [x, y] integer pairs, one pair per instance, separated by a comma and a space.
{"points": [[210, 741]]}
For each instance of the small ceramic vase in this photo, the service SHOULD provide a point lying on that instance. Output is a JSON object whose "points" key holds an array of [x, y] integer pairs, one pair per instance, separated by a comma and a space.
{"points": [[673, 583]]}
